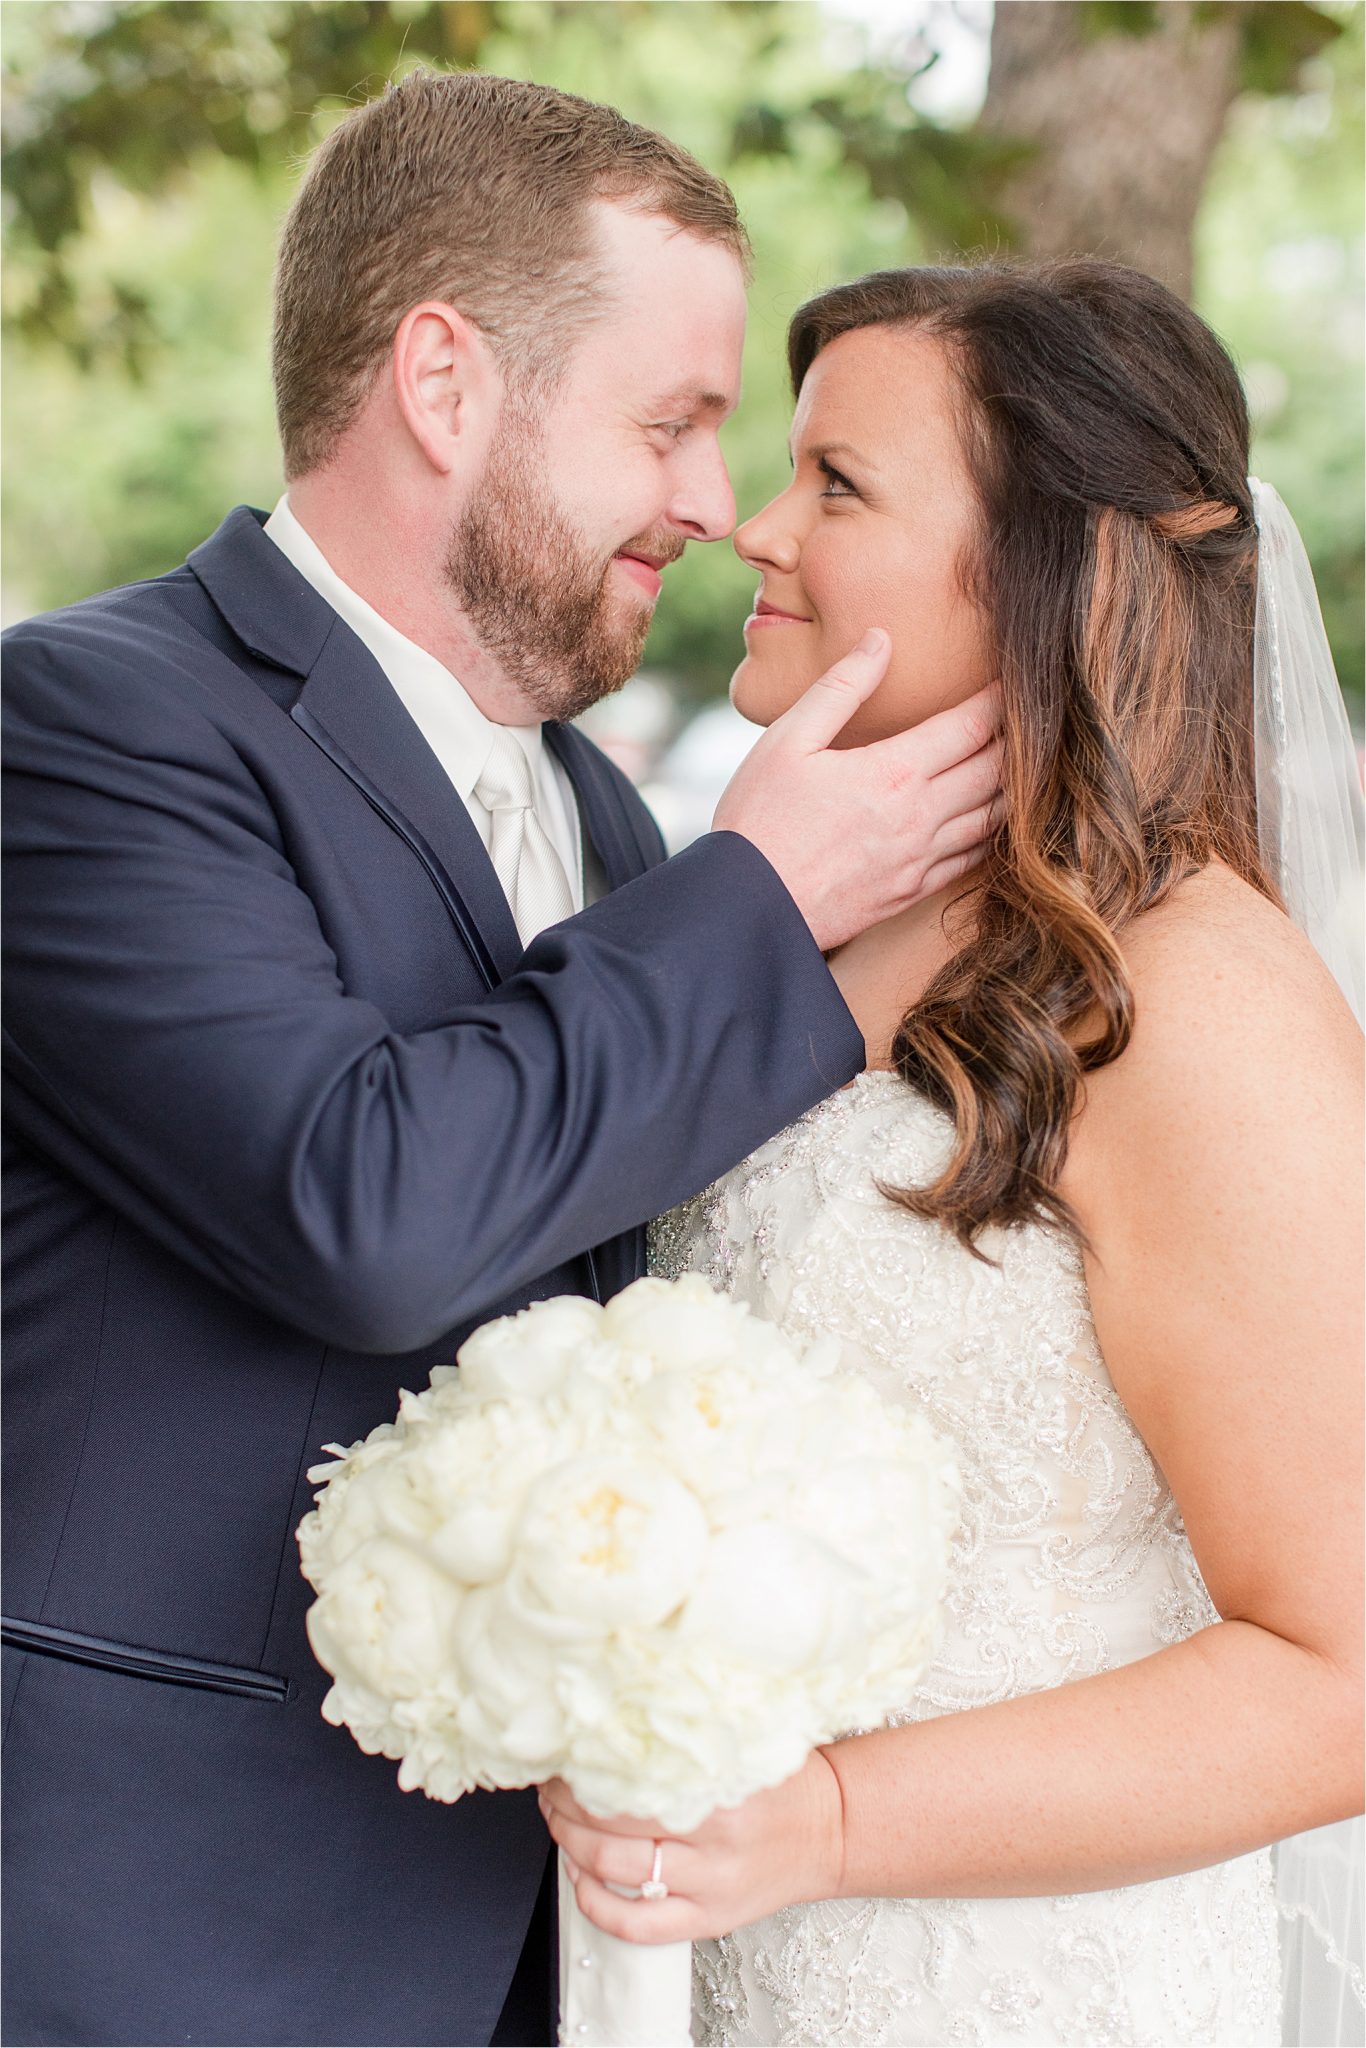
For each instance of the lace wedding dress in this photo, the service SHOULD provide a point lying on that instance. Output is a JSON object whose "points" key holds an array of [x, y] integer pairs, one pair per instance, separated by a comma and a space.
{"points": [[1071, 1559]]}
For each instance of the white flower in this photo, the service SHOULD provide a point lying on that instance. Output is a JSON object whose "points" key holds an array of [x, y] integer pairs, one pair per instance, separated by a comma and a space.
{"points": [[529, 1353], [612, 1541], [385, 1620], [862, 1505], [344, 1517], [714, 1432], [478, 1474], [508, 1709], [675, 1322], [653, 1549], [777, 1599]]}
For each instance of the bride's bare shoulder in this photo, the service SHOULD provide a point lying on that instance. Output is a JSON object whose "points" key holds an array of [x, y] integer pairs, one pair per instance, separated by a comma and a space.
{"points": [[1218, 960], [1239, 1030]]}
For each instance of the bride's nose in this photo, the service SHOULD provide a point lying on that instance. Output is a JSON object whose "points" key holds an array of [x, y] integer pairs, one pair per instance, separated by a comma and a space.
{"points": [[767, 541]]}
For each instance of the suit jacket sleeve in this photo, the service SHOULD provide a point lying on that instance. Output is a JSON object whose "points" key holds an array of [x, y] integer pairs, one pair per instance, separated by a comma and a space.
{"points": [[179, 1039]]}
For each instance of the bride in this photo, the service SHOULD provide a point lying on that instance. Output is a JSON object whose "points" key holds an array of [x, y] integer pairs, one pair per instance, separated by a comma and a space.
{"points": [[1091, 1209]]}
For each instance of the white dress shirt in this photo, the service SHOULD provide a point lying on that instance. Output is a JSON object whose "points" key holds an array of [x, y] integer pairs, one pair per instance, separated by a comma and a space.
{"points": [[444, 713]]}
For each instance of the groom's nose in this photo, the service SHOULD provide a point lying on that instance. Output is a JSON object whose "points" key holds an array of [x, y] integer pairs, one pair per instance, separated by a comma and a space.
{"points": [[703, 504]]}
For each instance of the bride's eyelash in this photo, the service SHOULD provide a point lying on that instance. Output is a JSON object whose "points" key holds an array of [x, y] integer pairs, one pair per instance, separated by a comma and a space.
{"points": [[835, 476]]}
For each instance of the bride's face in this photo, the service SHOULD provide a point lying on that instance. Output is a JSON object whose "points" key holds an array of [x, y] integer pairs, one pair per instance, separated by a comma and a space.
{"points": [[873, 530]]}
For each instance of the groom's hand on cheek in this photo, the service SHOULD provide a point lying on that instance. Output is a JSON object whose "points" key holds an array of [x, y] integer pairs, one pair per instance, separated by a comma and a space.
{"points": [[858, 834]]}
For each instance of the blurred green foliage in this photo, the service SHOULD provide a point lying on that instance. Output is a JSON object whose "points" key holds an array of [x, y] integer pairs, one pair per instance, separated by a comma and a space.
{"points": [[1278, 36], [1280, 273], [151, 151]]}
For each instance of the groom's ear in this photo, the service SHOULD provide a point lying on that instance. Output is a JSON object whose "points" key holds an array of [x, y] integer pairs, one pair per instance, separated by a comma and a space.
{"points": [[447, 386]]}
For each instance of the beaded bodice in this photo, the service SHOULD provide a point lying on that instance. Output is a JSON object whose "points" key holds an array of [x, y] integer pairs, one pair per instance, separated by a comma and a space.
{"points": [[1071, 1558]]}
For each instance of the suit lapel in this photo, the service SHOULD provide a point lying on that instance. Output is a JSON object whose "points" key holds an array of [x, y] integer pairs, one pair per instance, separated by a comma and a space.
{"points": [[348, 707], [621, 1259], [349, 710]]}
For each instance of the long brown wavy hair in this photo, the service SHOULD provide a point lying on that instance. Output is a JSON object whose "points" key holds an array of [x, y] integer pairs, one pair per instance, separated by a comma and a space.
{"points": [[1114, 565]]}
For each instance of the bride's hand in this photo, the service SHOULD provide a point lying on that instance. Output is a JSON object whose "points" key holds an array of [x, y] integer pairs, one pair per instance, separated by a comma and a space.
{"points": [[743, 1862]]}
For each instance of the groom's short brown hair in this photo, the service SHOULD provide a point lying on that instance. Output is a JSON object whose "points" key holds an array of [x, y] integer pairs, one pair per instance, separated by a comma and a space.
{"points": [[474, 191]]}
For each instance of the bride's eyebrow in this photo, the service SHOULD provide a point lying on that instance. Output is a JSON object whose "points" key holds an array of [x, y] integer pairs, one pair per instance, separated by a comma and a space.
{"points": [[825, 451]]}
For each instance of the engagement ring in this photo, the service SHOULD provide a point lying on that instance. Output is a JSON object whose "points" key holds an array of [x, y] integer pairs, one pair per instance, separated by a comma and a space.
{"points": [[654, 1886]]}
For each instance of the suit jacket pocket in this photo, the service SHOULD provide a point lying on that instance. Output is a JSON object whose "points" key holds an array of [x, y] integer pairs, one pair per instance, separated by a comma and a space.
{"points": [[164, 1666]]}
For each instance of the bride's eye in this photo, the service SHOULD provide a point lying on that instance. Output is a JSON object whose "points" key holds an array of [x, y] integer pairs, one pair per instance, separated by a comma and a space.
{"points": [[837, 485]]}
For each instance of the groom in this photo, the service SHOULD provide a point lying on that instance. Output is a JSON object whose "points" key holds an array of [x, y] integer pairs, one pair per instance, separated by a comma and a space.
{"points": [[350, 1003]]}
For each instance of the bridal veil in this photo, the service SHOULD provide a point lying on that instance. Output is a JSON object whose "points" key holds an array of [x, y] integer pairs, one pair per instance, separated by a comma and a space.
{"points": [[1309, 817]]}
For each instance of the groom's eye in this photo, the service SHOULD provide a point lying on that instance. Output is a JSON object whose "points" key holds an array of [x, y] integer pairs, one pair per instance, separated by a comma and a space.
{"points": [[675, 429]]}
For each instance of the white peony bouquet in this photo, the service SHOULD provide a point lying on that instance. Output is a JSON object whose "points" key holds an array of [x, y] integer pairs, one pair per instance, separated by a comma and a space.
{"points": [[654, 1548]]}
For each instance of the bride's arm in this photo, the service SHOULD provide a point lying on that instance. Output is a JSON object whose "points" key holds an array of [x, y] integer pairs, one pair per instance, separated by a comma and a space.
{"points": [[1217, 1170]]}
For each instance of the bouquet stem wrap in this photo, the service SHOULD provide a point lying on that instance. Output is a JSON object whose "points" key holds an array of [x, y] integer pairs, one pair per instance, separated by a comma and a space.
{"points": [[616, 1994]]}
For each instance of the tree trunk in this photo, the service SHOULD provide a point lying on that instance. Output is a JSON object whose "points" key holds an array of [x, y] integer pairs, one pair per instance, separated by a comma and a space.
{"points": [[1122, 125]]}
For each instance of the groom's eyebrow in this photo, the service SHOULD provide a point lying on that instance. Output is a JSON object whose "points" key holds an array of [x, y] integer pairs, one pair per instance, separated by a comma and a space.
{"points": [[690, 399]]}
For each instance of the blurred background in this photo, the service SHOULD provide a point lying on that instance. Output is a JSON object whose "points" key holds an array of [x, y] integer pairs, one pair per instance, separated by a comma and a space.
{"points": [[151, 147]]}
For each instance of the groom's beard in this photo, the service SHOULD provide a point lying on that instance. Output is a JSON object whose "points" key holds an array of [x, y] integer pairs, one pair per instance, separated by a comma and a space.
{"points": [[544, 604]]}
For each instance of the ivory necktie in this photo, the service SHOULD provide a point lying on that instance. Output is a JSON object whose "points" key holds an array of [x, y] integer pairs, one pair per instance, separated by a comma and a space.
{"points": [[527, 865]]}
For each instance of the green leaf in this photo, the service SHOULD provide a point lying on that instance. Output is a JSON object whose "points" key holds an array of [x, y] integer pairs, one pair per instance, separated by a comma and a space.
{"points": [[1279, 39], [1117, 17], [760, 130]]}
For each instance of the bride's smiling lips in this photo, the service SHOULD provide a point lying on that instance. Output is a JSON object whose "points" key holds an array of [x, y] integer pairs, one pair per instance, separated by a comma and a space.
{"points": [[766, 614]]}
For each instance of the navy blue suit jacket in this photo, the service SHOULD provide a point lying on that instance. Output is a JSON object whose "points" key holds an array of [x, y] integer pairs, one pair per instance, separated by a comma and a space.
{"points": [[288, 1112]]}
